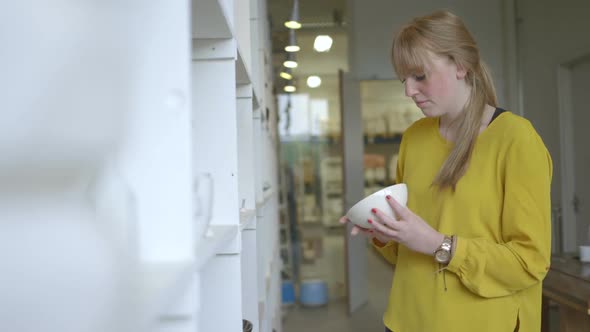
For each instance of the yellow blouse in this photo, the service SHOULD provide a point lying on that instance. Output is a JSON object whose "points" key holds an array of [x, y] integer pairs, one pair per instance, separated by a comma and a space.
{"points": [[501, 214]]}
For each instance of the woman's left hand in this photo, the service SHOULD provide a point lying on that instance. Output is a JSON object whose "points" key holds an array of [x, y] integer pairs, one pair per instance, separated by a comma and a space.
{"points": [[410, 230]]}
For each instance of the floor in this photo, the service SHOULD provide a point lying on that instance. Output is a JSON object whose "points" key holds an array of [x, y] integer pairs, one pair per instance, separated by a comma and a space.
{"points": [[333, 317]]}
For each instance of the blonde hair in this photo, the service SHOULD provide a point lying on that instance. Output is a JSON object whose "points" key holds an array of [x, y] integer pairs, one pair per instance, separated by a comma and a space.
{"points": [[445, 34]]}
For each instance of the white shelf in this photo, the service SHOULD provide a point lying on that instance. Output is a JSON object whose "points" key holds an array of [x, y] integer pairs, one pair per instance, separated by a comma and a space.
{"points": [[228, 48], [209, 246], [247, 91], [211, 20], [261, 308], [269, 301], [247, 217], [256, 98], [270, 270], [268, 277], [192, 74], [162, 283], [266, 195], [243, 75]]}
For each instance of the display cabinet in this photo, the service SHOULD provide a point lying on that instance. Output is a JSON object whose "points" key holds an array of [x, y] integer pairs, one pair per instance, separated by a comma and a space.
{"points": [[143, 192], [234, 143]]}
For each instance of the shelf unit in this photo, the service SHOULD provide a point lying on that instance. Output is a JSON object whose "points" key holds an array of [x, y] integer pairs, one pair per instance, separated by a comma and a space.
{"points": [[150, 106], [234, 140]]}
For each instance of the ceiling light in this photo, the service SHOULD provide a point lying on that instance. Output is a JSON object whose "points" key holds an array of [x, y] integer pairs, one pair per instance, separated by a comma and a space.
{"points": [[290, 64], [293, 23], [286, 74], [314, 81], [292, 46], [290, 61], [322, 43], [289, 88]]}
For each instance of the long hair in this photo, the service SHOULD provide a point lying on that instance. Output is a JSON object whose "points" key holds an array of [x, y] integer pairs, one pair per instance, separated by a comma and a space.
{"points": [[445, 34]]}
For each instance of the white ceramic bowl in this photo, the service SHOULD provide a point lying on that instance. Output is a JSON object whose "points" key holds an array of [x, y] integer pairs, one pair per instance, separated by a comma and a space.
{"points": [[361, 211]]}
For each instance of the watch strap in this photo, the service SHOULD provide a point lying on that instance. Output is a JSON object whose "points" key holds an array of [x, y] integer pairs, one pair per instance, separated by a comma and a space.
{"points": [[446, 245]]}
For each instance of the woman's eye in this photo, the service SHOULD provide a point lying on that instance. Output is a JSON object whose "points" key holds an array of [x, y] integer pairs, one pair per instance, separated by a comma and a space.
{"points": [[417, 78]]}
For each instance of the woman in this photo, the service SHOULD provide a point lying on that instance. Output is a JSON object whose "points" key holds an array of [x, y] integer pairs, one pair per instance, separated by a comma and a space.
{"points": [[473, 245]]}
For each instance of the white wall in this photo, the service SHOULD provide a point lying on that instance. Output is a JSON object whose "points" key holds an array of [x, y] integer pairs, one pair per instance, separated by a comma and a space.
{"points": [[550, 32], [374, 23]]}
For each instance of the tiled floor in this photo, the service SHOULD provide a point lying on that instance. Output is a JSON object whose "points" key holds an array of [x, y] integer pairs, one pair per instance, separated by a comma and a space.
{"points": [[334, 318]]}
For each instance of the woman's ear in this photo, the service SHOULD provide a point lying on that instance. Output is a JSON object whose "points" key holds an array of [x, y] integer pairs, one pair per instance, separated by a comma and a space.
{"points": [[461, 71]]}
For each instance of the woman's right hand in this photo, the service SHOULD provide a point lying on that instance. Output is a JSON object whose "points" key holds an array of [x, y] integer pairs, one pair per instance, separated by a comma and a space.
{"points": [[371, 233]]}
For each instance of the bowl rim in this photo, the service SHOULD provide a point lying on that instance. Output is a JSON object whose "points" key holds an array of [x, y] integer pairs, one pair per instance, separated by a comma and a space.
{"points": [[376, 192]]}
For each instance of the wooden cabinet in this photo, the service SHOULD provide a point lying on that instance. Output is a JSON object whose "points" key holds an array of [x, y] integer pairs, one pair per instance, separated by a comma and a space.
{"points": [[568, 285]]}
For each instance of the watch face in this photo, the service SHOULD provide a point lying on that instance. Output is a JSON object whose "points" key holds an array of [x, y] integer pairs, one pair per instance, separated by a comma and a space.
{"points": [[442, 256]]}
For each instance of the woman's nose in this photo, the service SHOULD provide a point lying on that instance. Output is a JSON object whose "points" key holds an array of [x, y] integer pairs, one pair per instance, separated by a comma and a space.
{"points": [[410, 89]]}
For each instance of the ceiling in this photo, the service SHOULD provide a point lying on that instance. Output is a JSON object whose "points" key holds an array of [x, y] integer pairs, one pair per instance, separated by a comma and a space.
{"points": [[382, 102], [312, 13], [316, 17]]}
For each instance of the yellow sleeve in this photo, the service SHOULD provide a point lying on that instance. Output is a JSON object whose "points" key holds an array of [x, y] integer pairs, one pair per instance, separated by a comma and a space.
{"points": [[492, 269], [388, 251], [401, 157]]}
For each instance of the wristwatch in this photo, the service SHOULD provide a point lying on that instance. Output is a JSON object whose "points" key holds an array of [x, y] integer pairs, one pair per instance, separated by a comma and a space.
{"points": [[442, 254]]}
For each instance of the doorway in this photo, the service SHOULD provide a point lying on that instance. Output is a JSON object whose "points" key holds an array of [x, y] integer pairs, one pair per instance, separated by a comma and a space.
{"points": [[573, 80]]}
